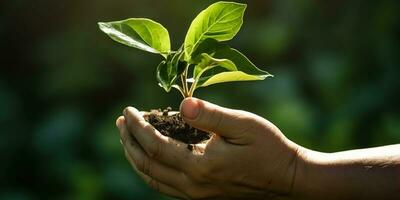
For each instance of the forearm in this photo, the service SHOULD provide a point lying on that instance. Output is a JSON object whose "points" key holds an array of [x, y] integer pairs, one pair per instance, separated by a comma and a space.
{"points": [[358, 174]]}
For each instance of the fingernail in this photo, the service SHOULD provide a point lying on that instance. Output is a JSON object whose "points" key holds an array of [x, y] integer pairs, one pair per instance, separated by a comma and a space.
{"points": [[125, 110], [117, 123], [190, 108]]}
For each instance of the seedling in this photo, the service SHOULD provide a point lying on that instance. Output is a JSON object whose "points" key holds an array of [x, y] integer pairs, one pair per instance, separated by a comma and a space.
{"points": [[203, 53]]}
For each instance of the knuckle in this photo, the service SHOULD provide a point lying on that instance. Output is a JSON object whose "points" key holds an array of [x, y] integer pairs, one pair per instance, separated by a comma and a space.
{"points": [[153, 184], [146, 126], [145, 166], [216, 119], [140, 165], [125, 139], [244, 116], [142, 125], [155, 149], [247, 122]]}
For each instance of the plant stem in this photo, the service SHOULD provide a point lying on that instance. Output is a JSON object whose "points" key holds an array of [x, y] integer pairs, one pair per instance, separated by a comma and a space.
{"points": [[184, 86], [184, 82], [193, 87], [196, 80], [180, 89]]}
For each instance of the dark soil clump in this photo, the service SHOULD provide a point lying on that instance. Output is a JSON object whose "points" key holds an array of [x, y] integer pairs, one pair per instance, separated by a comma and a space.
{"points": [[173, 126]]}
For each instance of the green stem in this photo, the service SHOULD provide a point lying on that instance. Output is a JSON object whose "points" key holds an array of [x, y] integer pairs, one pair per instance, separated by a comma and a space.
{"points": [[184, 89], [193, 87], [184, 82], [180, 89], [196, 80]]}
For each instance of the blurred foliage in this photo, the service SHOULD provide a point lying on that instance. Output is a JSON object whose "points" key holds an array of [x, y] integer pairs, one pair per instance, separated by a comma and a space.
{"points": [[63, 83]]}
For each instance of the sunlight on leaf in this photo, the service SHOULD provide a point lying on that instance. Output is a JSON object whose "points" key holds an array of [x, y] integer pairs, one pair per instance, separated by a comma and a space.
{"points": [[140, 33]]}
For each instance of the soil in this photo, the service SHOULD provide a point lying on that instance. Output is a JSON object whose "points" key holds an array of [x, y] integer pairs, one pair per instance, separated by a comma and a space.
{"points": [[172, 125]]}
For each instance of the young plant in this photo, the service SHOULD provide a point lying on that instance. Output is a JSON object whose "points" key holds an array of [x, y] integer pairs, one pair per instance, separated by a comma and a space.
{"points": [[202, 54]]}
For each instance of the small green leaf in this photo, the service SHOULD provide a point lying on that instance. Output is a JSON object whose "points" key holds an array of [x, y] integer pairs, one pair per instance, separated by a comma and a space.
{"points": [[220, 21], [140, 33], [177, 61], [163, 76], [170, 69], [245, 70], [229, 77], [209, 62]]}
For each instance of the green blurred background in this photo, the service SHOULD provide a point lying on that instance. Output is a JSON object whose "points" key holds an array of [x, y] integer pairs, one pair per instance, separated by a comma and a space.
{"points": [[63, 83]]}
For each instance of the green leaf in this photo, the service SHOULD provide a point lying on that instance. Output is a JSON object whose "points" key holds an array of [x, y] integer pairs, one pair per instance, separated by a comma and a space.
{"points": [[177, 61], [208, 46], [170, 69], [229, 77], [163, 76], [209, 62], [245, 70], [220, 21], [140, 33]]}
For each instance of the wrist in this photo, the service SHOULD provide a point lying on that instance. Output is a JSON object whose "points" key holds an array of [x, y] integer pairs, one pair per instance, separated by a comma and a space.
{"points": [[306, 182]]}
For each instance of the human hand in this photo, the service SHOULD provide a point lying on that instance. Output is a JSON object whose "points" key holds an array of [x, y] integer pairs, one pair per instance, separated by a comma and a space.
{"points": [[248, 157]]}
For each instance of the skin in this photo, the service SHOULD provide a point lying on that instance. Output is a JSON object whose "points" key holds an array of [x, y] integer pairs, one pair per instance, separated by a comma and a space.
{"points": [[250, 158]]}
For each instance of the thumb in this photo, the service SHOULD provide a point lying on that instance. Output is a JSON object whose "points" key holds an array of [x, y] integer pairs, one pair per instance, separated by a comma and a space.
{"points": [[228, 123]]}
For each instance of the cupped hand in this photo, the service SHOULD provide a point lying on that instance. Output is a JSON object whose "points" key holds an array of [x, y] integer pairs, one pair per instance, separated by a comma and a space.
{"points": [[248, 157]]}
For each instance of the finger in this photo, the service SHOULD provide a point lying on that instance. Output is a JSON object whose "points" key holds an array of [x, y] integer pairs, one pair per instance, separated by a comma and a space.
{"points": [[154, 183], [228, 123], [119, 121], [156, 145], [149, 166]]}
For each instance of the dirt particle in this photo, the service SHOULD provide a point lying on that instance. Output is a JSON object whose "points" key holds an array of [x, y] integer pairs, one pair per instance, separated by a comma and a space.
{"points": [[166, 111]]}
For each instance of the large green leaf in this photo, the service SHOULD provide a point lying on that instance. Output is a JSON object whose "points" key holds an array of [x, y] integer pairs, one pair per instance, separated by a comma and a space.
{"points": [[220, 21], [140, 33], [170, 69], [208, 46], [212, 72]]}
